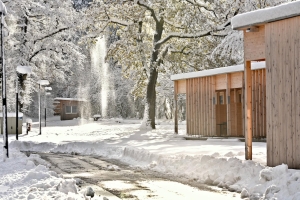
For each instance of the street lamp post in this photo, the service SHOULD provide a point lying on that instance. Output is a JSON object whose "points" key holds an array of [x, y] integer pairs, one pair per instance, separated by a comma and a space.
{"points": [[41, 82], [20, 70], [46, 93], [3, 12]]}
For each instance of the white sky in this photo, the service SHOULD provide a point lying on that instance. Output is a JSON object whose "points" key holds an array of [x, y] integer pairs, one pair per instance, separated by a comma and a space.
{"points": [[217, 162]]}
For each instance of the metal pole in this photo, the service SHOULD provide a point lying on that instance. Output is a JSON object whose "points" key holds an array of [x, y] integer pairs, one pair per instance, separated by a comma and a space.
{"points": [[40, 109], [17, 112], [45, 117], [4, 110]]}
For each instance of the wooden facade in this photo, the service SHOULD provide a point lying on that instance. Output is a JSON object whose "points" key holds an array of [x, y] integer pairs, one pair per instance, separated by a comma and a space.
{"points": [[214, 103], [283, 71], [69, 108], [279, 46]]}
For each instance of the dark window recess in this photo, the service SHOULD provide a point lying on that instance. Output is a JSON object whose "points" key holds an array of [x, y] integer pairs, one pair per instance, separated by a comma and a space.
{"points": [[221, 100], [68, 109], [71, 109]]}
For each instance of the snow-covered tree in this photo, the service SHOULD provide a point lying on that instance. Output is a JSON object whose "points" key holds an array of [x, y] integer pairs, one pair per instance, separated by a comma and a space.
{"points": [[167, 36], [151, 30], [42, 35]]}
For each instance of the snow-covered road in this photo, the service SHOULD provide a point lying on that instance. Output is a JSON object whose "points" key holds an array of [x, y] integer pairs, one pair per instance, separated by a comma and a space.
{"points": [[216, 162], [121, 181]]}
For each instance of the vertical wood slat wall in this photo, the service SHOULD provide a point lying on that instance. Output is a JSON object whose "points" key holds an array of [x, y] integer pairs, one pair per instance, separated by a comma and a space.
{"points": [[283, 92], [201, 118], [204, 113], [259, 129]]}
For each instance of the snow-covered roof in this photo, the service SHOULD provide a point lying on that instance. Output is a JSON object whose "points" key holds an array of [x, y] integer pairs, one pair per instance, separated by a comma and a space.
{"points": [[266, 15], [68, 99], [217, 71], [12, 114]]}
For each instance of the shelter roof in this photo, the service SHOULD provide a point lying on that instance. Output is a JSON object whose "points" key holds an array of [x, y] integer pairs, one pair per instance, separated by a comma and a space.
{"points": [[217, 71], [266, 15], [12, 114], [68, 99]]}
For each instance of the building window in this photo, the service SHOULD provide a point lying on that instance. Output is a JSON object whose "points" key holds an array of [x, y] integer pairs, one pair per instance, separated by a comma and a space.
{"points": [[221, 99], [71, 109]]}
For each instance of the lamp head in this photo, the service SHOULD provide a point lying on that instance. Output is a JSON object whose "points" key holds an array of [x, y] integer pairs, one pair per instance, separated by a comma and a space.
{"points": [[48, 88], [24, 69], [43, 82], [3, 8]]}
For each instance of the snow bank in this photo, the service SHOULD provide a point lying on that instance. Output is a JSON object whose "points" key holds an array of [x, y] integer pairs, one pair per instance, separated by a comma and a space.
{"points": [[246, 177], [266, 15], [218, 163], [20, 178]]}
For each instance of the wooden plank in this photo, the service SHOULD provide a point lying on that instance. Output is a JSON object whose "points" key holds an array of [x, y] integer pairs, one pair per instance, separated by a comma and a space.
{"points": [[193, 106], [281, 82], [214, 106], [205, 105], [235, 100], [264, 102], [196, 105], [181, 86], [221, 82], [296, 104], [257, 91], [201, 105], [259, 104], [209, 105], [236, 80], [253, 103], [248, 110], [277, 91], [228, 84], [269, 105], [289, 78], [190, 106], [254, 44], [187, 107], [176, 106]]}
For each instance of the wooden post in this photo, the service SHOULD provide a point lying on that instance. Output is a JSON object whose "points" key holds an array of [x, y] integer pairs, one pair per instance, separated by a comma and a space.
{"points": [[228, 84], [176, 109], [248, 110], [235, 101]]}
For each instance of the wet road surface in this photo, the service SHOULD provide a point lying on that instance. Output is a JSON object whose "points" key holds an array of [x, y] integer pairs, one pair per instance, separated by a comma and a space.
{"points": [[115, 180]]}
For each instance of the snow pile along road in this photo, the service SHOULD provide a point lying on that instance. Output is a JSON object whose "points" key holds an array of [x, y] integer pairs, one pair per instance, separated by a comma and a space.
{"points": [[20, 178], [219, 163]]}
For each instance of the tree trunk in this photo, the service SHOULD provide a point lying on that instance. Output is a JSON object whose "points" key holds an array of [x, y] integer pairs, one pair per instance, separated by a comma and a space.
{"points": [[150, 107], [149, 116]]}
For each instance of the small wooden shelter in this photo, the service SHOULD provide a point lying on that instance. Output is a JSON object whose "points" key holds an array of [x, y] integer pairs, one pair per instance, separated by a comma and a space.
{"points": [[214, 101], [68, 108], [273, 35]]}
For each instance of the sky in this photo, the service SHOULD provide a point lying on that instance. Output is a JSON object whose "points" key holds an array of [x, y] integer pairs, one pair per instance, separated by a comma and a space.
{"points": [[218, 162]]}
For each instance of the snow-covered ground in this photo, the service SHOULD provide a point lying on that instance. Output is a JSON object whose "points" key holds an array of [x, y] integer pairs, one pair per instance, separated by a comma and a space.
{"points": [[215, 161]]}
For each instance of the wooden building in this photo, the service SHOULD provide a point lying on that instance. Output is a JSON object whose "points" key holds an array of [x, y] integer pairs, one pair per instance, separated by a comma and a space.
{"points": [[56, 105], [69, 108], [273, 35], [214, 101]]}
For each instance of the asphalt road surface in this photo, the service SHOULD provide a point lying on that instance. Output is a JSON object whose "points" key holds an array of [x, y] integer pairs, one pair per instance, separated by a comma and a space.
{"points": [[111, 179]]}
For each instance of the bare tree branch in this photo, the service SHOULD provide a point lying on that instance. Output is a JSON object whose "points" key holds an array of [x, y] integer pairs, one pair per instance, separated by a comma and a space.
{"points": [[201, 6], [51, 34], [172, 24], [39, 51], [183, 35]]}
